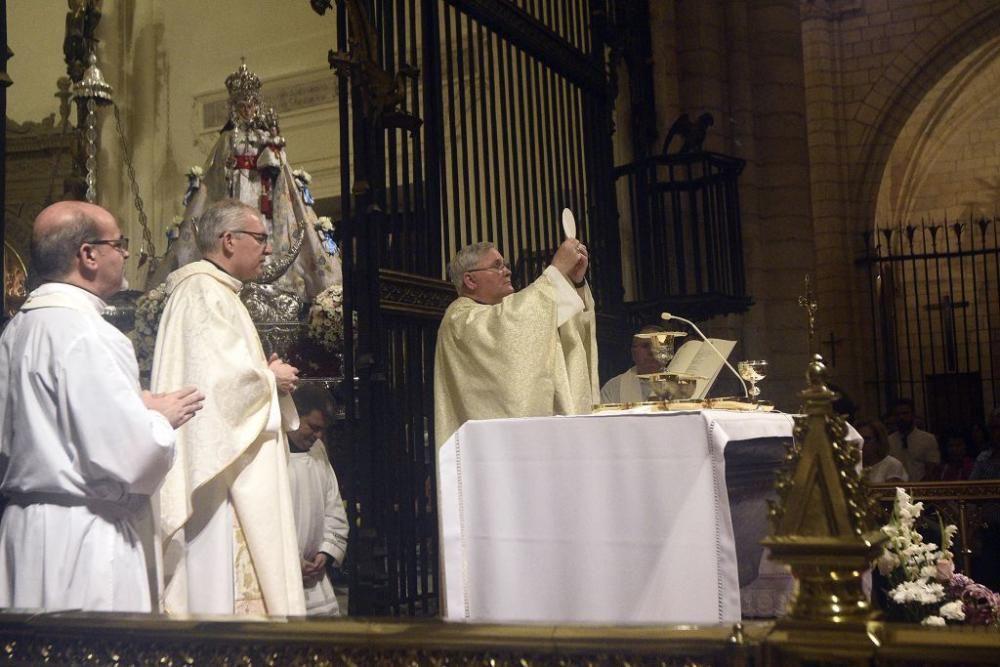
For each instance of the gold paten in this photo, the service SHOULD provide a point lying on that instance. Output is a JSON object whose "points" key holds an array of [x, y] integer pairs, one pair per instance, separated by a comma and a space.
{"points": [[821, 524]]}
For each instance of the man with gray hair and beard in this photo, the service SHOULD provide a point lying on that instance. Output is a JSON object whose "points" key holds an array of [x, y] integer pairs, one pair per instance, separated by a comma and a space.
{"points": [[506, 354], [82, 448], [228, 530]]}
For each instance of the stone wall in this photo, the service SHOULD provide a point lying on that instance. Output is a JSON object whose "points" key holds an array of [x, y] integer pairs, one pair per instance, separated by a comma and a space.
{"points": [[870, 65]]}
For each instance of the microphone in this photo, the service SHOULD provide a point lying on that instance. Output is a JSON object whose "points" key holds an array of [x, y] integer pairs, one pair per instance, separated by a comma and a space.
{"points": [[669, 316]]}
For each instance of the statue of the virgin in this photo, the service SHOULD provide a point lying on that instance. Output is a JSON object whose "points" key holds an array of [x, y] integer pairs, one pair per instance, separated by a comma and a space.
{"points": [[249, 163]]}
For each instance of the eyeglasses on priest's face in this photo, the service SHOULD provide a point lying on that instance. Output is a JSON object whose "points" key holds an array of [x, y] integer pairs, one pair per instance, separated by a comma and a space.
{"points": [[120, 243], [498, 266], [259, 237]]}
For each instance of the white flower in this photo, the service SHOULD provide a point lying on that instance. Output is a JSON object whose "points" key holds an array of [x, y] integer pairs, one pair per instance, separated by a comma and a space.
{"points": [[917, 591], [302, 175], [933, 620], [887, 562], [194, 172], [953, 611], [324, 224]]}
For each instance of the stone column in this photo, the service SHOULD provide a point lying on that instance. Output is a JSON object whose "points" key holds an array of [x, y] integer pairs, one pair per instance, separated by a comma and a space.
{"points": [[840, 287], [781, 249]]}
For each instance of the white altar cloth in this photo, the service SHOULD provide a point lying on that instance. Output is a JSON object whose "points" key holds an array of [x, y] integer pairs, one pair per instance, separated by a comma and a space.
{"points": [[618, 518]]}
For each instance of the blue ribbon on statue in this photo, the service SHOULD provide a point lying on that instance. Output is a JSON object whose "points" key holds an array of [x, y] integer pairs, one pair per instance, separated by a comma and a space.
{"points": [[193, 185], [329, 245], [307, 197]]}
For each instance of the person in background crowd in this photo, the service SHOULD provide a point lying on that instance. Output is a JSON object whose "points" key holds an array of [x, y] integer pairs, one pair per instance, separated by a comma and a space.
{"points": [[878, 467], [957, 463], [917, 449], [987, 464]]}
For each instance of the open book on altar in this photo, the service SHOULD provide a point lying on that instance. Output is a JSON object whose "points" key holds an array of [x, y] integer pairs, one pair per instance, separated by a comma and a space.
{"points": [[698, 358]]}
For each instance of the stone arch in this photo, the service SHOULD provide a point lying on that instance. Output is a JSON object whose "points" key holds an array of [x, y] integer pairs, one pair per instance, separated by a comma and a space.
{"points": [[947, 110], [892, 99]]}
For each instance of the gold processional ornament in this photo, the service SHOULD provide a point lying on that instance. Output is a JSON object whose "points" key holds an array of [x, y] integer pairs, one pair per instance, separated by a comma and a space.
{"points": [[822, 523]]}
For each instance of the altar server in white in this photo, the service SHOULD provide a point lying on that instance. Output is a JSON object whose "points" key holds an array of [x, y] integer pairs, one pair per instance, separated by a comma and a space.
{"points": [[320, 517], [81, 446], [229, 543], [629, 387]]}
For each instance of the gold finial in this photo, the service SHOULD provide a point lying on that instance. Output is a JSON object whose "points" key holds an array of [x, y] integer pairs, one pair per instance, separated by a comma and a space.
{"points": [[808, 301]]}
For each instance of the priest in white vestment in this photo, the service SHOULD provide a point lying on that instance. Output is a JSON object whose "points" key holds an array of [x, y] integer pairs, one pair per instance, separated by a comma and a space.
{"points": [[82, 448], [320, 517], [505, 354], [225, 509], [628, 387]]}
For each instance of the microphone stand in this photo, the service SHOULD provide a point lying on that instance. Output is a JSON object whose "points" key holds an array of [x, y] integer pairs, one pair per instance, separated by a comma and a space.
{"points": [[669, 316]]}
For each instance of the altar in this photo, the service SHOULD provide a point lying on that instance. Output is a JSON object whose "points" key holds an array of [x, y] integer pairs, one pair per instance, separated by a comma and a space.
{"points": [[606, 518]]}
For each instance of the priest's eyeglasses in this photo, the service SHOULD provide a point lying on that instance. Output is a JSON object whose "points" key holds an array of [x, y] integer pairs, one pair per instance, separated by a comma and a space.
{"points": [[120, 243], [498, 266], [259, 237]]}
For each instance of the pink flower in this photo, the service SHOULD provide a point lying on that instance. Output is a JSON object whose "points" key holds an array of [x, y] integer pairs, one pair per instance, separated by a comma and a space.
{"points": [[957, 585], [945, 569], [980, 604]]}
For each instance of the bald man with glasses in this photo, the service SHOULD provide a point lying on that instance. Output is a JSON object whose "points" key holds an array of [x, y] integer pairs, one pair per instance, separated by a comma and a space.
{"points": [[82, 447], [226, 515], [505, 354]]}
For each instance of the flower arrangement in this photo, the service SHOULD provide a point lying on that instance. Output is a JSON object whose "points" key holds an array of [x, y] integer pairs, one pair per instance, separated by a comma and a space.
{"points": [[174, 230], [923, 583], [148, 309], [326, 319], [303, 179], [324, 227], [194, 174]]}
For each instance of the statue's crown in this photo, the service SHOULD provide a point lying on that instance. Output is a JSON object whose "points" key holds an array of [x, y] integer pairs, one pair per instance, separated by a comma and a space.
{"points": [[243, 84]]}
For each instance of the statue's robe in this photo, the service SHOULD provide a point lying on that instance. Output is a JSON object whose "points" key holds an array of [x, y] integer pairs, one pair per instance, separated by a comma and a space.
{"points": [[533, 354], [226, 518], [228, 174]]}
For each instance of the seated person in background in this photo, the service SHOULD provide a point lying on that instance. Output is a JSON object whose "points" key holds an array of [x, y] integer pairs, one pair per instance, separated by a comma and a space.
{"points": [[987, 464], [628, 387], [843, 404], [501, 354], [916, 449], [877, 466], [957, 462], [320, 518], [978, 440]]}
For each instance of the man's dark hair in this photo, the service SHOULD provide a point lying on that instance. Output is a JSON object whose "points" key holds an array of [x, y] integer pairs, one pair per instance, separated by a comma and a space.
{"points": [[903, 401], [52, 254], [311, 397]]}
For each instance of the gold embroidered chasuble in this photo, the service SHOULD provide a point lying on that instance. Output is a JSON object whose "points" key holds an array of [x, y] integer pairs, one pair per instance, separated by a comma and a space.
{"points": [[234, 451], [533, 354]]}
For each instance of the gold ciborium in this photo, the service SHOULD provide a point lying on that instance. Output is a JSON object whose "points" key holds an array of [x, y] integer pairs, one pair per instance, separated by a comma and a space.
{"points": [[666, 386]]}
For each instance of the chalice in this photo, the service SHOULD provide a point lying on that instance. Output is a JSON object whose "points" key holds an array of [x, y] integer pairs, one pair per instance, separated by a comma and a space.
{"points": [[666, 386], [753, 371]]}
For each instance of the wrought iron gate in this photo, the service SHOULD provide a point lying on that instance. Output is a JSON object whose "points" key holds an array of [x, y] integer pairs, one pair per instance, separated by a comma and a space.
{"points": [[462, 121], [936, 317]]}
